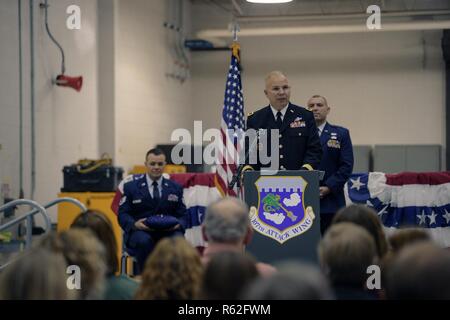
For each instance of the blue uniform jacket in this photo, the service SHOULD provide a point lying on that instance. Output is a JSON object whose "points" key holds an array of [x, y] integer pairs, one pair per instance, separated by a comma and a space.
{"points": [[137, 203], [337, 162], [299, 143]]}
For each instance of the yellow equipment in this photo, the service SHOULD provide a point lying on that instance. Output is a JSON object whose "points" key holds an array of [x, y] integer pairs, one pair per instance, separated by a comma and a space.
{"points": [[100, 201]]}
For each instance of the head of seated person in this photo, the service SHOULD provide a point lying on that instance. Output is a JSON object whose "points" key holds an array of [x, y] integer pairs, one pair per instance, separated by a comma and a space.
{"points": [[419, 271], [227, 227], [345, 253], [81, 248], [368, 219], [227, 274], [293, 281], [227, 223], [38, 274], [173, 271], [116, 287], [407, 236], [101, 227]]}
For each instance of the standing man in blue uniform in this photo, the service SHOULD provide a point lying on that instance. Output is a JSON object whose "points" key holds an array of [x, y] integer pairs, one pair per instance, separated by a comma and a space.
{"points": [[299, 144], [337, 161], [151, 208]]}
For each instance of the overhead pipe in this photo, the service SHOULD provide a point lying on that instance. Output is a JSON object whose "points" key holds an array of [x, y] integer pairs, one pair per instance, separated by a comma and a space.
{"points": [[237, 7], [213, 34], [289, 18]]}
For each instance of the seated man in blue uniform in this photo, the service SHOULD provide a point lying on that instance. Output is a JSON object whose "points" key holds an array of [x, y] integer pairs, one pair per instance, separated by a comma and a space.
{"points": [[299, 145], [337, 161], [151, 208]]}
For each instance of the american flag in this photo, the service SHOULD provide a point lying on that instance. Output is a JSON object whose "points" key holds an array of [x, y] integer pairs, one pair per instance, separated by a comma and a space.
{"points": [[232, 126]]}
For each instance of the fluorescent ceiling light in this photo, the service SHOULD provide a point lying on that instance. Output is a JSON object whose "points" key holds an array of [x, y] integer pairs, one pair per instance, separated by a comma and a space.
{"points": [[269, 1]]}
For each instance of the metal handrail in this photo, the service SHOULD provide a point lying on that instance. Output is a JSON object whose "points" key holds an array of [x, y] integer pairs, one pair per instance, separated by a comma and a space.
{"points": [[59, 200], [38, 209], [28, 216]]}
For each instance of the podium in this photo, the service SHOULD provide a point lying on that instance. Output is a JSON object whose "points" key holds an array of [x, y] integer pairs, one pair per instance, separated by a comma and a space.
{"points": [[284, 213]]}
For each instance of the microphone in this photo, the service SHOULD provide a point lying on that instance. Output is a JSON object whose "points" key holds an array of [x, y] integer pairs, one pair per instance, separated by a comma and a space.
{"points": [[238, 173]]}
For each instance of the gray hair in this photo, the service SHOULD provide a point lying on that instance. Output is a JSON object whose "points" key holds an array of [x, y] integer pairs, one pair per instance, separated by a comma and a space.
{"points": [[226, 221]]}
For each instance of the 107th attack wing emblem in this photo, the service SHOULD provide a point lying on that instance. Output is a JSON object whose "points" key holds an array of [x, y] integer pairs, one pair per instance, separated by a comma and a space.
{"points": [[281, 214]]}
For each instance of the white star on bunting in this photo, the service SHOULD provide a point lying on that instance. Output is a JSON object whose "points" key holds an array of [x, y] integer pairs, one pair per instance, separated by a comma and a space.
{"points": [[432, 218], [446, 216], [421, 218], [357, 184]]}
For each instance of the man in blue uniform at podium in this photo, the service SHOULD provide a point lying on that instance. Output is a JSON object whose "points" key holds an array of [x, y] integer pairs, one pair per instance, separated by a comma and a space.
{"points": [[299, 145], [337, 161], [151, 208]]}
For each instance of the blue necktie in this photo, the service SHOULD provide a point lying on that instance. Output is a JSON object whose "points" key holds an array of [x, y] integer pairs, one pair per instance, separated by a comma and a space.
{"points": [[156, 196], [279, 120]]}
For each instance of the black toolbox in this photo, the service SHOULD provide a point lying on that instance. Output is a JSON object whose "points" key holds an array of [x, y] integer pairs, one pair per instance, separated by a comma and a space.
{"points": [[102, 179]]}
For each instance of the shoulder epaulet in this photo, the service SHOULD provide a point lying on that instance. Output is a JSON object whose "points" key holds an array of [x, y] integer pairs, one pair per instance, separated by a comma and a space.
{"points": [[127, 179]]}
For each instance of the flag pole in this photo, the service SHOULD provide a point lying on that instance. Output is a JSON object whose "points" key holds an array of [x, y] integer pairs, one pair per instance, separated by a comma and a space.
{"points": [[235, 31], [232, 121], [235, 47]]}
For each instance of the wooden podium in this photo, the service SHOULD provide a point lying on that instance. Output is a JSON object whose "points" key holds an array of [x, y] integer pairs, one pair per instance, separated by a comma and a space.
{"points": [[284, 213]]}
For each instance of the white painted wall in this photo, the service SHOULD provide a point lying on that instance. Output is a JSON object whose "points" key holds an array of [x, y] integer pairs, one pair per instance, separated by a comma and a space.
{"points": [[149, 105], [126, 105], [66, 121], [106, 83], [387, 88]]}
